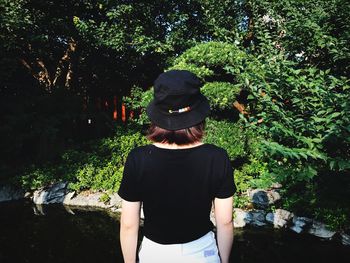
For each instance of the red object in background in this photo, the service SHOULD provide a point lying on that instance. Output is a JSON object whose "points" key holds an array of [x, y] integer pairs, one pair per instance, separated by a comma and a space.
{"points": [[131, 115], [115, 113], [123, 113]]}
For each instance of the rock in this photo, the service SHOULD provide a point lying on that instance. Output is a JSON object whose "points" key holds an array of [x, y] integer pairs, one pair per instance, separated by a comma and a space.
{"points": [[320, 230], [279, 218], [345, 239], [276, 186], [28, 194], [57, 193], [256, 218], [10, 192], [69, 210], [115, 210], [115, 200], [50, 195], [261, 199], [92, 199], [68, 197], [38, 210], [300, 224], [273, 196], [240, 218], [270, 217]]}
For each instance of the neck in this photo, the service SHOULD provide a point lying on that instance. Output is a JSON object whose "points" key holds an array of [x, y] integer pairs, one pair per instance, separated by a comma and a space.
{"points": [[176, 146]]}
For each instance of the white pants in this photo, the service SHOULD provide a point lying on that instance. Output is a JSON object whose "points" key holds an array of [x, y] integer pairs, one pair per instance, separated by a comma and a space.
{"points": [[201, 250]]}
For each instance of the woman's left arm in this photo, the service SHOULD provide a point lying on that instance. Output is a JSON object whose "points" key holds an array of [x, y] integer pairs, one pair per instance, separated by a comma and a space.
{"points": [[129, 228]]}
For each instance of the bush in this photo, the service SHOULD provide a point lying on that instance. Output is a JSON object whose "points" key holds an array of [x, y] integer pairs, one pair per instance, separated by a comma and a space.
{"points": [[336, 218], [34, 178], [210, 60], [105, 198], [96, 165], [221, 95], [227, 135]]}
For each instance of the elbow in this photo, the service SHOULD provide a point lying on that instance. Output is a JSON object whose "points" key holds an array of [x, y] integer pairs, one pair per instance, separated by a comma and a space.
{"points": [[224, 220], [127, 224], [225, 223]]}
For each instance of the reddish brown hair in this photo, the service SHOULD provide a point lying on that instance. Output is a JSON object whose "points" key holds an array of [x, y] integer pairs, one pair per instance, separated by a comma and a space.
{"points": [[180, 137]]}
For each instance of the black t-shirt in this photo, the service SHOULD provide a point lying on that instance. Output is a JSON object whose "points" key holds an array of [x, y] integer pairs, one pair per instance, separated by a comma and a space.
{"points": [[177, 187]]}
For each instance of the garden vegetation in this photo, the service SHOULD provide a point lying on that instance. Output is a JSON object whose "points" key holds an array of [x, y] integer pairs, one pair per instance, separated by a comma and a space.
{"points": [[275, 72]]}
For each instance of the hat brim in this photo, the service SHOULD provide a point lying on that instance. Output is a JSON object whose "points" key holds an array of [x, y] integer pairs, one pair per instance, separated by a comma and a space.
{"points": [[179, 121]]}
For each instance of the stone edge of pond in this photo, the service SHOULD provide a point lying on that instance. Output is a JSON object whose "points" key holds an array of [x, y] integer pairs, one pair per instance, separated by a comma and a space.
{"points": [[58, 193]]}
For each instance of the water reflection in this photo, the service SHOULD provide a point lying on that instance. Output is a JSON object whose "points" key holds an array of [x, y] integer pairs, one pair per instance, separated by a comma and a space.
{"points": [[55, 234], [49, 234]]}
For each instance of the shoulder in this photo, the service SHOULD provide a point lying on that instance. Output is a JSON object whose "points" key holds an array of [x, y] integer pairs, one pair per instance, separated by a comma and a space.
{"points": [[139, 150], [216, 150]]}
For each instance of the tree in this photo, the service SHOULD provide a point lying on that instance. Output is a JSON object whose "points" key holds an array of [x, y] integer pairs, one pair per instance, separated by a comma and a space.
{"points": [[315, 33], [41, 37]]}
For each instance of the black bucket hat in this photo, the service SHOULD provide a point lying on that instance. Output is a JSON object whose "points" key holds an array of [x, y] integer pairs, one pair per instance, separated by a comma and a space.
{"points": [[177, 101]]}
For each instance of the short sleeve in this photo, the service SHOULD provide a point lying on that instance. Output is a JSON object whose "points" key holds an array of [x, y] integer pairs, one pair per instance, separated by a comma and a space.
{"points": [[226, 186], [129, 188]]}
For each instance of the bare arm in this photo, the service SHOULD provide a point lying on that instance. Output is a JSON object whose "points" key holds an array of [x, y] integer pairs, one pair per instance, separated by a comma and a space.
{"points": [[129, 228], [223, 209]]}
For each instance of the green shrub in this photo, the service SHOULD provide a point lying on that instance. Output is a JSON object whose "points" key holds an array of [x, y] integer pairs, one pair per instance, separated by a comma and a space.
{"points": [[210, 59], [221, 95], [105, 198], [336, 218], [84, 177], [227, 135], [34, 178], [145, 98], [96, 165], [105, 169], [241, 201], [254, 174]]}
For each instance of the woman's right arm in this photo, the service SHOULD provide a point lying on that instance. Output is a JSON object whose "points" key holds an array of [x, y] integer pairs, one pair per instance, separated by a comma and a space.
{"points": [[223, 209]]}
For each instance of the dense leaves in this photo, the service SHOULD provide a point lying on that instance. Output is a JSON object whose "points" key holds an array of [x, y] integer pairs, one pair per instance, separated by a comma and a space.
{"points": [[96, 165], [275, 73], [309, 32]]}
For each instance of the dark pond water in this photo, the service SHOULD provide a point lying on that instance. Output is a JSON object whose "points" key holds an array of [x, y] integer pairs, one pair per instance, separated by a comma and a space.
{"points": [[59, 236]]}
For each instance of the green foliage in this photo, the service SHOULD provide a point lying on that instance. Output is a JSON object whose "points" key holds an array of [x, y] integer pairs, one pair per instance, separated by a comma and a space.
{"points": [[105, 198], [308, 109], [299, 113], [240, 201], [257, 173], [134, 101], [35, 178], [335, 218], [243, 177], [37, 129], [144, 100], [14, 17], [291, 57], [326, 203], [85, 177], [309, 32], [104, 167], [157, 28], [227, 135], [97, 165], [211, 60], [221, 95]]}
